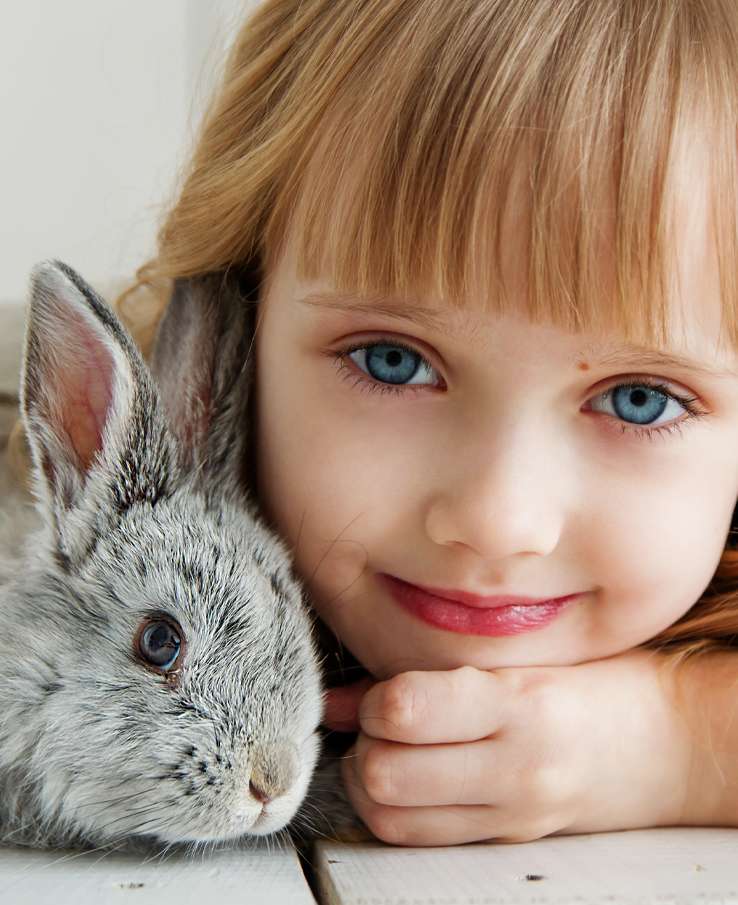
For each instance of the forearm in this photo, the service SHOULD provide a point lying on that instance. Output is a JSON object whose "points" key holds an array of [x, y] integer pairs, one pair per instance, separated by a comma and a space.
{"points": [[706, 702]]}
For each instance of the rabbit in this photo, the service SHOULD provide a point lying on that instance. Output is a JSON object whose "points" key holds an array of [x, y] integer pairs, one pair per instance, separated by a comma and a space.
{"points": [[159, 678]]}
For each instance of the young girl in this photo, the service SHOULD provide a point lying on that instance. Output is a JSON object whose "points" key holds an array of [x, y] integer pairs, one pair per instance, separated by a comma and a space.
{"points": [[496, 407]]}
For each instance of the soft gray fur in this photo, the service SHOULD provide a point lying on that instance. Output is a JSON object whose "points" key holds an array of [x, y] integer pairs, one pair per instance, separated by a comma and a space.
{"points": [[95, 747]]}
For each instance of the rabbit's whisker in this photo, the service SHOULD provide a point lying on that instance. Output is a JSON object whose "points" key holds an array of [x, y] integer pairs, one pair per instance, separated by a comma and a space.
{"points": [[148, 809], [161, 855], [110, 802], [333, 543], [135, 829]]}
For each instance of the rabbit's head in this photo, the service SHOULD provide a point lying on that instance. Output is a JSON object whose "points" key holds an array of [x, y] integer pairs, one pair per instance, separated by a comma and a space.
{"points": [[178, 687]]}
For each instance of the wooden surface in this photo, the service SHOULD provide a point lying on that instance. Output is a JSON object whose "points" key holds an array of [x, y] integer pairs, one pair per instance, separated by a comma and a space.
{"points": [[272, 876], [672, 865]]}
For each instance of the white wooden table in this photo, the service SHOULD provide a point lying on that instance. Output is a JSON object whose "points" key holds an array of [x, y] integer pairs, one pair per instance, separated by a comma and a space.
{"points": [[678, 866], [30, 877], [673, 866]]}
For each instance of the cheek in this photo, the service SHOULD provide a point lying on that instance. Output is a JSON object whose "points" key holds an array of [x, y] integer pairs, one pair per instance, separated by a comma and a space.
{"points": [[661, 538], [318, 485], [334, 468]]}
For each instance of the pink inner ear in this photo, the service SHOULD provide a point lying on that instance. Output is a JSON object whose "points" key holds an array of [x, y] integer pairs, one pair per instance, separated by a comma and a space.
{"points": [[83, 388]]}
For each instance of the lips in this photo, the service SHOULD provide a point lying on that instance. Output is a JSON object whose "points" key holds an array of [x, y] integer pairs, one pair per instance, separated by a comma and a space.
{"points": [[490, 616], [483, 602]]}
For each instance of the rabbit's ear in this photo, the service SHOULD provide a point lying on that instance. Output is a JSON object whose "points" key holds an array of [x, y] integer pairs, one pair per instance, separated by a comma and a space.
{"points": [[93, 418], [202, 362]]}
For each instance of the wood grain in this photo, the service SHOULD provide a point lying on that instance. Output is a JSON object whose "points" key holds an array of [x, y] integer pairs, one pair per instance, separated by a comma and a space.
{"points": [[266, 874], [675, 865]]}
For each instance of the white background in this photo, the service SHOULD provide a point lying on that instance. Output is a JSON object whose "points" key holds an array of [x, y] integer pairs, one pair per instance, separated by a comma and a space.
{"points": [[99, 100]]}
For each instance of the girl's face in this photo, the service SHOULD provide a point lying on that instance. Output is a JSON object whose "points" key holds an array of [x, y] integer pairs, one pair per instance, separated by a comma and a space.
{"points": [[484, 453]]}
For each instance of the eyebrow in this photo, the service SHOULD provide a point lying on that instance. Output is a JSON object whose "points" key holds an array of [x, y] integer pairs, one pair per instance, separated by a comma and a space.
{"points": [[403, 311], [603, 356], [634, 356]]}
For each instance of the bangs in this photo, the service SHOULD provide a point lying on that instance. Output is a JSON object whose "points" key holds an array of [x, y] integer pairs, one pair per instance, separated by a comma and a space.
{"points": [[564, 120]]}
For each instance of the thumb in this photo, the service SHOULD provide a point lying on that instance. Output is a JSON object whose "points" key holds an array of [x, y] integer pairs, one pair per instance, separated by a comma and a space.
{"points": [[342, 705]]}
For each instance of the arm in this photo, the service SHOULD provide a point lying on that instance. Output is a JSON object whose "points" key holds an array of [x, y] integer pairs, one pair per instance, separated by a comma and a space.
{"points": [[704, 691]]}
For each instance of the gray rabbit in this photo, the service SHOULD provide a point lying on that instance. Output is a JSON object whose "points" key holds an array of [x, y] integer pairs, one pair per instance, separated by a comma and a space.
{"points": [[159, 681]]}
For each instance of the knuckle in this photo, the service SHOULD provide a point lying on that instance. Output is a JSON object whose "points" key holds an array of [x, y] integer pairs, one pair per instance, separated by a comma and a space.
{"points": [[544, 699], [385, 824], [547, 786], [376, 773], [402, 700], [530, 831], [541, 694], [513, 680], [464, 677]]}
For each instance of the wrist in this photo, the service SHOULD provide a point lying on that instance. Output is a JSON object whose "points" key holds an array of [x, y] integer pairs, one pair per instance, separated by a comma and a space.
{"points": [[642, 747], [663, 771], [705, 701]]}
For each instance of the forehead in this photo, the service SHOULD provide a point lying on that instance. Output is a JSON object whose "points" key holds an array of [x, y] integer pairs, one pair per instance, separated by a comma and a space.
{"points": [[696, 351], [474, 332], [566, 260]]}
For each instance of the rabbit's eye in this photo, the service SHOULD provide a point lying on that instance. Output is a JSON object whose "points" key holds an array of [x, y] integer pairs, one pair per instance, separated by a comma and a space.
{"points": [[159, 643]]}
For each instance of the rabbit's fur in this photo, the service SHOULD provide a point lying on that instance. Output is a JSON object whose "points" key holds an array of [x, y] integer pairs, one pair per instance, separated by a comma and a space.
{"points": [[143, 516]]}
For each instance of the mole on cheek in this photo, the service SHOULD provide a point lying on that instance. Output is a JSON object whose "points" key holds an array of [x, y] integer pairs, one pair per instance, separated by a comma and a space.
{"points": [[583, 366]]}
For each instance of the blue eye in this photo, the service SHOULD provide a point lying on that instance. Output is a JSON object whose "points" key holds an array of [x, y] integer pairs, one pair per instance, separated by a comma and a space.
{"points": [[159, 643], [392, 366], [640, 405]]}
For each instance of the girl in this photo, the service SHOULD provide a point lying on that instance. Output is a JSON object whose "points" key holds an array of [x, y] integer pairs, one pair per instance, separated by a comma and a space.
{"points": [[496, 406]]}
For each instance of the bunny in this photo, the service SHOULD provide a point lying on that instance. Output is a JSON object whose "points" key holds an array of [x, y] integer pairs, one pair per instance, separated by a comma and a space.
{"points": [[159, 681]]}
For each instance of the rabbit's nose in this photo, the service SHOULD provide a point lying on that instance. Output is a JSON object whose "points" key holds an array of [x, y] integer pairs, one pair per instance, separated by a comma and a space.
{"points": [[274, 770], [259, 794]]}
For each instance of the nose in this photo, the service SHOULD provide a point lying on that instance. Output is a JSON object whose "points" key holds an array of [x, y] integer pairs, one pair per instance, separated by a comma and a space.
{"points": [[502, 496], [273, 772], [259, 794]]}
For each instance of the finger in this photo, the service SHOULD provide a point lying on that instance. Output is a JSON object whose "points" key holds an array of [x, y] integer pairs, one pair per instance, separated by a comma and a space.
{"points": [[452, 825], [402, 775], [436, 825], [341, 705], [457, 705]]}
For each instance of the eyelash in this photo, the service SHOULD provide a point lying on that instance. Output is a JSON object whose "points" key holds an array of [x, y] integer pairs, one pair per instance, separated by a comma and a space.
{"points": [[365, 383]]}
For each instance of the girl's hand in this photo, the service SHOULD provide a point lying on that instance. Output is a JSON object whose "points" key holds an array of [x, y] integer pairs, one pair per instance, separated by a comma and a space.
{"points": [[515, 754]]}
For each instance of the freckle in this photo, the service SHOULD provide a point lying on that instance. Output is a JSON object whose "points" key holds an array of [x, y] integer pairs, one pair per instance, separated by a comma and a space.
{"points": [[583, 366]]}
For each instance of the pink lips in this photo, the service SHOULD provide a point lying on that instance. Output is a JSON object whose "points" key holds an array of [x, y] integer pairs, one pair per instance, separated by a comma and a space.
{"points": [[475, 615], [486, 602]]}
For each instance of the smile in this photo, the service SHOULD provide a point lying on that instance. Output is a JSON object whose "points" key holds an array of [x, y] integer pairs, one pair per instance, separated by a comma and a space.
{"points": [[495, 617]]}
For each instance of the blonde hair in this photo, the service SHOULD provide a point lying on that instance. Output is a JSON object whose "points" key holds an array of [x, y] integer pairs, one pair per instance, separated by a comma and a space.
{"points": [[388, 133]]}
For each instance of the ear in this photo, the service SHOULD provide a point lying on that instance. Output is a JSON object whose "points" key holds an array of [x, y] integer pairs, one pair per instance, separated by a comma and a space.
{"points": [[203, 365], [97, 436]]}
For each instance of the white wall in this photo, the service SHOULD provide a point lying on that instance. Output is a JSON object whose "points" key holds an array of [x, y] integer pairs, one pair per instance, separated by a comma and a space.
{"points": [[98, 103]]}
